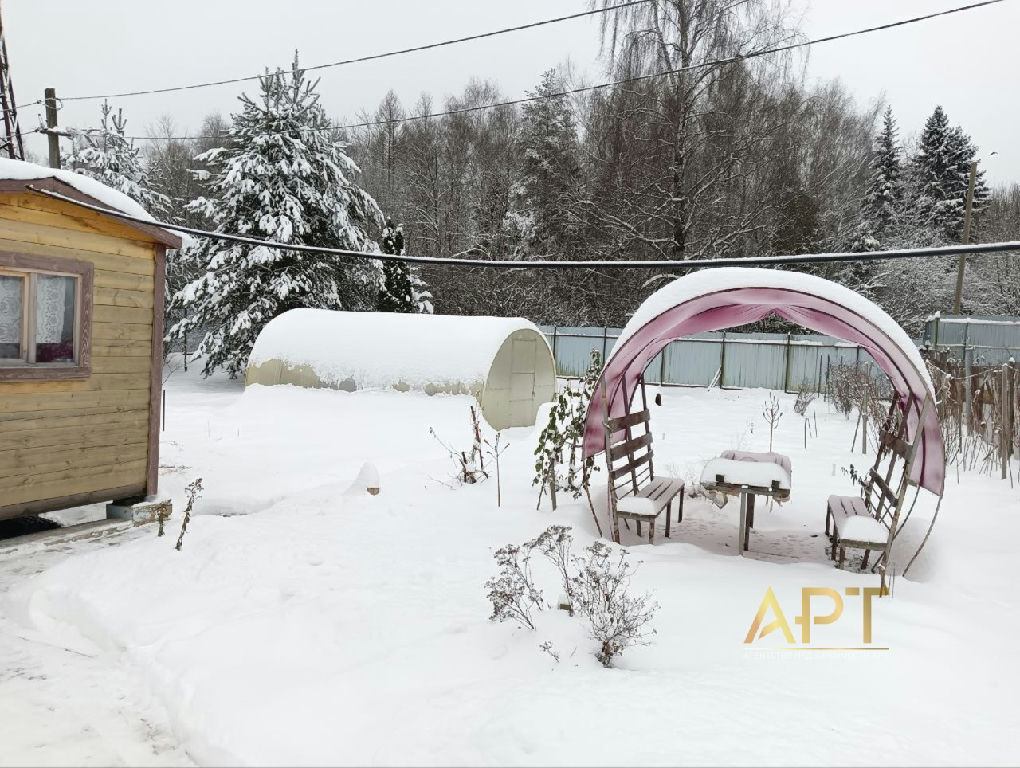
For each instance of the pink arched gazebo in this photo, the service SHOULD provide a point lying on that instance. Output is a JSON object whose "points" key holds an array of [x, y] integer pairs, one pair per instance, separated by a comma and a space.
{"points": [[715, 299]]}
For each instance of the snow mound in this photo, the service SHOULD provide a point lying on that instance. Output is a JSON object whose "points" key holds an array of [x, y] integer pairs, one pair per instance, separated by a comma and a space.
{"points": [[17, 170]]}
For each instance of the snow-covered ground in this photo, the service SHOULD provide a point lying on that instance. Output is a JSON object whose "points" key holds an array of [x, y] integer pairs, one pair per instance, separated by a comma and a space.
{"points": [[304, 622]]}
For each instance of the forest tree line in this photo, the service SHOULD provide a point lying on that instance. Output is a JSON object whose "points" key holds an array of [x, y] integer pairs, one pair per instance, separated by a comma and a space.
{"points": [[742, 159]]}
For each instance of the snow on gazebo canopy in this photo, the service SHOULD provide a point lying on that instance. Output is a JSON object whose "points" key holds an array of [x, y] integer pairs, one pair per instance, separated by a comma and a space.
{"points": [[505, 363], [716, 299]]}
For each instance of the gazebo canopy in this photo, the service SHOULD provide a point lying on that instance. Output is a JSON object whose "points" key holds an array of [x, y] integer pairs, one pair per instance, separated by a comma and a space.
{"points": [[715, 299]]}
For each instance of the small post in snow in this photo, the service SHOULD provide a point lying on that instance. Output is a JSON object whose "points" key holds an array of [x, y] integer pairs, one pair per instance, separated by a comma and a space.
{"points": [[367, 479], [864, 421], [789, 360], [1005, 429]]}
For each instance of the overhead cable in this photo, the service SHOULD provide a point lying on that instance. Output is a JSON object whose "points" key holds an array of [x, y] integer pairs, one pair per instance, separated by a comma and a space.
{"points": [[612, 83], [603, 264], [361, 59]]}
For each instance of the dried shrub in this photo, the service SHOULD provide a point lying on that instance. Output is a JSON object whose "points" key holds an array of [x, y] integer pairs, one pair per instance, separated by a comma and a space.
{"points": [[470, 465], [849, 386], [617, 619], [513, 593], [596, 584], [804, 399], [194, 491]]}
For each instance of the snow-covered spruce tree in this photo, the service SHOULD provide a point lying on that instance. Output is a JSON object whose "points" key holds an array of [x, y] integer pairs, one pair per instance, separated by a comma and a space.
{"points": [[883, 203], [881, 209], [421, 296], [396, 293], [550, 171], [941, 170], [282, 176], [403, 290], [107, 155]]}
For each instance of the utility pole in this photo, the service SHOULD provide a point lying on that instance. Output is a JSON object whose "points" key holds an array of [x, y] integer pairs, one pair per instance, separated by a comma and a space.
{"points": [[50, 99], [962, 264], [12, 144]]}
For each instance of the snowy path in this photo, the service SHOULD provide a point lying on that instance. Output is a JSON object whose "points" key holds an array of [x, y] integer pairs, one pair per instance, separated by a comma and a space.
{"points": [[72, 704], [300, 624]]}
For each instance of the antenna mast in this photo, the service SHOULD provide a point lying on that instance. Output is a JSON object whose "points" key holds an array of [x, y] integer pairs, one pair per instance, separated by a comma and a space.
{"points": [[11, 143]]}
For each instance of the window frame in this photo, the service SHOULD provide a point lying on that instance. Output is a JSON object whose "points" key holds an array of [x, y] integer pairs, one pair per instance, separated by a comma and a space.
{"points": [[30, 267]]}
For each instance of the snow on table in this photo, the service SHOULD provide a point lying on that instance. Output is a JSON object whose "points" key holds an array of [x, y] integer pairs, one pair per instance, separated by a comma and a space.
{"points": [[775, 458], [760, 474]]}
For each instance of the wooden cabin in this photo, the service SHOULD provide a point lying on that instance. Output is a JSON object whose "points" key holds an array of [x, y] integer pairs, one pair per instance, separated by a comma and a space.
{"points": [[81, 344]]}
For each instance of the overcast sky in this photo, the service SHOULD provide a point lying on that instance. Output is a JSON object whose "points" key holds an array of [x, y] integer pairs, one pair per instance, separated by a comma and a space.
{"points": [[967, 62]]}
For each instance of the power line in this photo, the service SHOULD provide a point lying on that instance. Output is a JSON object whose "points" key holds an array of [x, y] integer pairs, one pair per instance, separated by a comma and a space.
{"points": [[361, 59], [613, 83], [817, 258]]}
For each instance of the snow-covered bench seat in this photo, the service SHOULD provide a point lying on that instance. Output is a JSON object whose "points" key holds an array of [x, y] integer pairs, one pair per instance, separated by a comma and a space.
{"points": [[651, 498], [871, 521], [852, 525], [635, 491]]}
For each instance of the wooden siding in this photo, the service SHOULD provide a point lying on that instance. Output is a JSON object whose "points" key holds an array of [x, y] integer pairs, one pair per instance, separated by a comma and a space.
{"points": [[67, 441]]}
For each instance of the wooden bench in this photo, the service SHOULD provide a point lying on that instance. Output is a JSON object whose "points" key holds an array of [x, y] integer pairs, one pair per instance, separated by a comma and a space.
{"points": [[852, 525], [635, 492], [870, 521]]}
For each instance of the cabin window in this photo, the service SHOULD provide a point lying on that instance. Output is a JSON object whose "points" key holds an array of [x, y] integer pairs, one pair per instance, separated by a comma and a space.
{"points": [[38, 318], [12, 315], [55, 301], [45, 316]]}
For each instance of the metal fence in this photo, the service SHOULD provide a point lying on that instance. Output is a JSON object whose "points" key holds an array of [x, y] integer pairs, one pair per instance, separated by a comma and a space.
{"points": [[974, 340], [784, 361]]}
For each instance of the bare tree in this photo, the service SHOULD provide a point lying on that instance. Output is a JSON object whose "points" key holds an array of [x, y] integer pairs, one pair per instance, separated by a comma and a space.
{"points": [[683, 117]]}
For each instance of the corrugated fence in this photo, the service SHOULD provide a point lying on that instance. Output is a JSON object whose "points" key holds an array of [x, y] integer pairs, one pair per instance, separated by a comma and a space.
{"points": [[975, 340], [783, 361], [774, 361], [769, 360]]}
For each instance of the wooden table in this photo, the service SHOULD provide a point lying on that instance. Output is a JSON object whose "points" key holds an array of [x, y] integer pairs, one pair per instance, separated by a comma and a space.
{"points": [[748, 476]]}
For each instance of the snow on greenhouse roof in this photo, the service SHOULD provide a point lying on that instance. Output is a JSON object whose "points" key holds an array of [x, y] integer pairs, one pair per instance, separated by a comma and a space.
{"points": [[380, 349], [715, 299]]}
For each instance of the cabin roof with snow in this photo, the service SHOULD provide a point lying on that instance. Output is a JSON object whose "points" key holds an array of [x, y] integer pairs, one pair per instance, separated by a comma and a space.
{"points": [[17, 177], [81, 343]]}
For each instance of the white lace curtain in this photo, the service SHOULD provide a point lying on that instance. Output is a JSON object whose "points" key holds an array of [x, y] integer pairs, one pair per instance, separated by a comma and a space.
{"points": [[51, 306], [11, 293]]}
